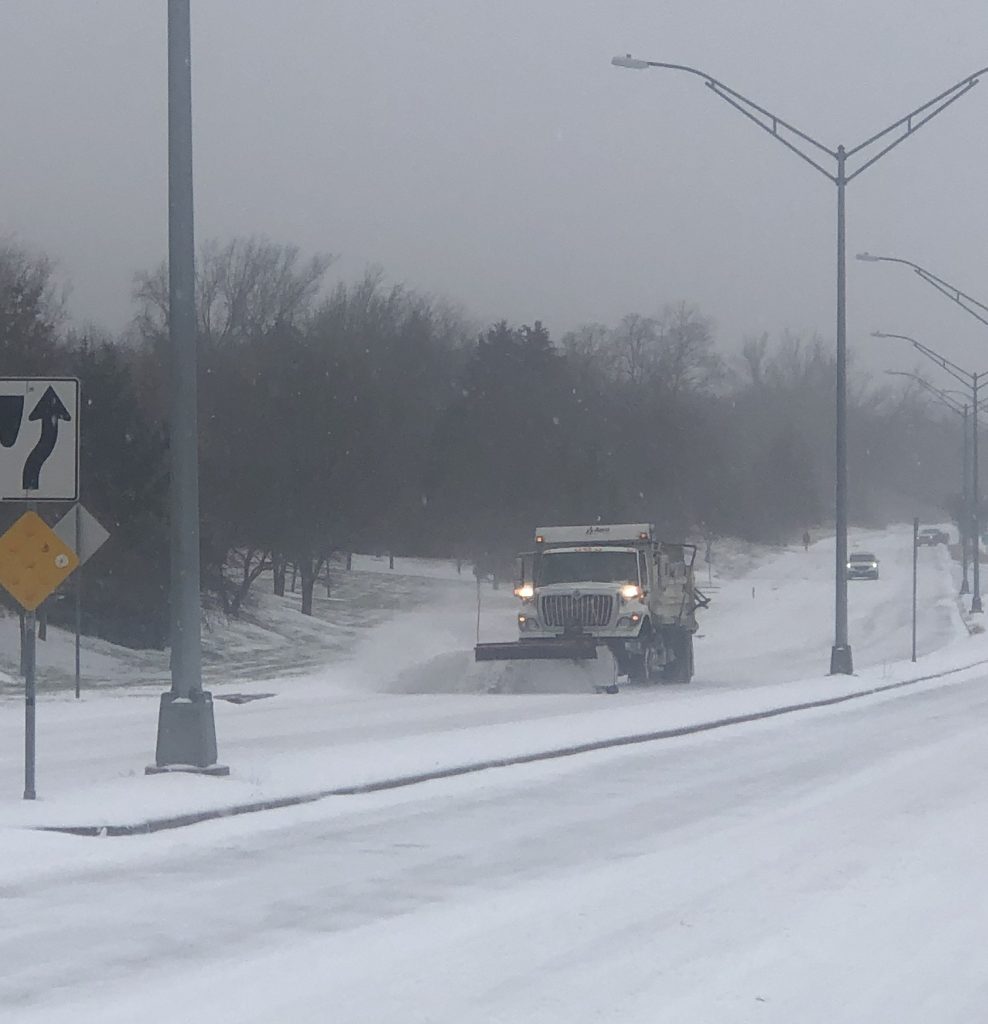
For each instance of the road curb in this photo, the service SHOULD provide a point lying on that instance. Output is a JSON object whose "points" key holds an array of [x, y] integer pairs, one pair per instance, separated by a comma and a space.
{"points": [[401, 781]]}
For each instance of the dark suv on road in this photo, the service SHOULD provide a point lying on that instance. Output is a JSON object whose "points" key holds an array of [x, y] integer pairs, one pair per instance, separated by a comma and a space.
{"points": [[862, 565], [931, 536]]}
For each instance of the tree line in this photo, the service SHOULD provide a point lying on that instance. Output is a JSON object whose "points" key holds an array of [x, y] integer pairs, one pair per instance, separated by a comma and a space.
{"points": [[367, 416]]}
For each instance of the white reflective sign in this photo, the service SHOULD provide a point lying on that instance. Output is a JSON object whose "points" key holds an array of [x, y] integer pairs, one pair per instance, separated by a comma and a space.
{"points": [[82, 531], [39, 438]]}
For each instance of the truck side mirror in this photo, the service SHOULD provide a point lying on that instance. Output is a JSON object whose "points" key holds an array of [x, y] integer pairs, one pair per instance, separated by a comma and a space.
{"points": [[524, 576]]}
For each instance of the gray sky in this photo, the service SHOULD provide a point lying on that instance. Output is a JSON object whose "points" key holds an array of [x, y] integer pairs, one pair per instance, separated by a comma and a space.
{"points": [[487, 151]]}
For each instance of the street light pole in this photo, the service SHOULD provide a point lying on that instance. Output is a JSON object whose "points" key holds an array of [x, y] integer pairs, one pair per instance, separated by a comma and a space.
{"points": [[841, 661], [810, 150], [183, 427], [966, 514], [972, 382], [186, 728], [979, 310]]}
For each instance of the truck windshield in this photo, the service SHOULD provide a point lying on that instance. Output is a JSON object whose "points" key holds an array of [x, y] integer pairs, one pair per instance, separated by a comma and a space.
{"points": [[588, 567]]}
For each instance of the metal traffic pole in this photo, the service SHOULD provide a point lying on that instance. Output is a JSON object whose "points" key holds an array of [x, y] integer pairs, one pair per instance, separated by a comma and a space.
{"points": [[915, 556]]}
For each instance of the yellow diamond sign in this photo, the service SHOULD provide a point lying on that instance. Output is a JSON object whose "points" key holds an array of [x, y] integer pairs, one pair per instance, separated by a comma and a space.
{"points": [[33, 560]]}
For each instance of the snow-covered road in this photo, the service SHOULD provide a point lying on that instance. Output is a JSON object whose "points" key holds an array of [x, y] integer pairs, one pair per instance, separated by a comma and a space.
{"points": [[827, 867]]}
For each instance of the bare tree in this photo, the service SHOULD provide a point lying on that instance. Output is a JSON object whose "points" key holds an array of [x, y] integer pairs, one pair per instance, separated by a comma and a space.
{"points": [[753, 355], [244, 289], [590, 348], [635, 342], [685, 359]]}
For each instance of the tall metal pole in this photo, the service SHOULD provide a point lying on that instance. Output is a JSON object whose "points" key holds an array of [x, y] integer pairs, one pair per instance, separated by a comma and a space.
{"points": [[966, 513], [183, 429], [186, 730], [976, 501], [841, 662]]}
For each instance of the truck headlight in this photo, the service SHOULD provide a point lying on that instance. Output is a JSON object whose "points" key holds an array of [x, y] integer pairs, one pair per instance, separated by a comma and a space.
{"points": [[526, 591], [631, 592]]}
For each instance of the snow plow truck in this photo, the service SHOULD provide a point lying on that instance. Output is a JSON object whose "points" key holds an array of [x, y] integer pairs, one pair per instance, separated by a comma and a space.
{"points": [[613, 586]]}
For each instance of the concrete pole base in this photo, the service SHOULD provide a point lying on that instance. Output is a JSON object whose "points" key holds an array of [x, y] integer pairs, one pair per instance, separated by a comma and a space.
{"points": [[186, 735], [192, 769], [166, 769], [841, 663], [976, 604]]}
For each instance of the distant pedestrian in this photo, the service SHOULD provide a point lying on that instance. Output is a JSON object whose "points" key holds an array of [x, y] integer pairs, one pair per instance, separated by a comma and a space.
{"points": [[806, 540]]}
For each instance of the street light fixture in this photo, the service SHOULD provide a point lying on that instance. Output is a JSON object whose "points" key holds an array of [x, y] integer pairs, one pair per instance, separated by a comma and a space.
{"points": [[945, 397], [971, 383], [968, 303], [799, 142]]}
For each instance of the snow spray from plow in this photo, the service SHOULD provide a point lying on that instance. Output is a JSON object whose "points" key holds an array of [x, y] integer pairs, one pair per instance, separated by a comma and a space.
{"points": [[460, 672]]}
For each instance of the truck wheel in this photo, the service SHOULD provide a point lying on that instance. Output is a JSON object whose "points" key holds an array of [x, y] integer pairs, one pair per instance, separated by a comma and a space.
{"points": [[644, 667], [652, 671]]}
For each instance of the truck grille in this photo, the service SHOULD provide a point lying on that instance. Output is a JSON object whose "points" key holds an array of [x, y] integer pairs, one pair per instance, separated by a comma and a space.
{"points": [[586, 610]]}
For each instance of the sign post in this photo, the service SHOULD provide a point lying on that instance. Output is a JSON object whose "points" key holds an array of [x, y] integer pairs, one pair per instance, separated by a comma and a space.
{"points": [[30, 702], [39, 461], [29, 639], [78, 605], [33, 562], [85, 535], [915, 557]]}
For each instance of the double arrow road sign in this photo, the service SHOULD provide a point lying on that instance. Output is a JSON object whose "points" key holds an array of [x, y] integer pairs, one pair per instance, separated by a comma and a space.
{"points": [[39, 439]]}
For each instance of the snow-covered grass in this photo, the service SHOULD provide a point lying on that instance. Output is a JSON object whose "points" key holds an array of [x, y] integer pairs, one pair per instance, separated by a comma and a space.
{"points": [[270, 638], [382, 683]]}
